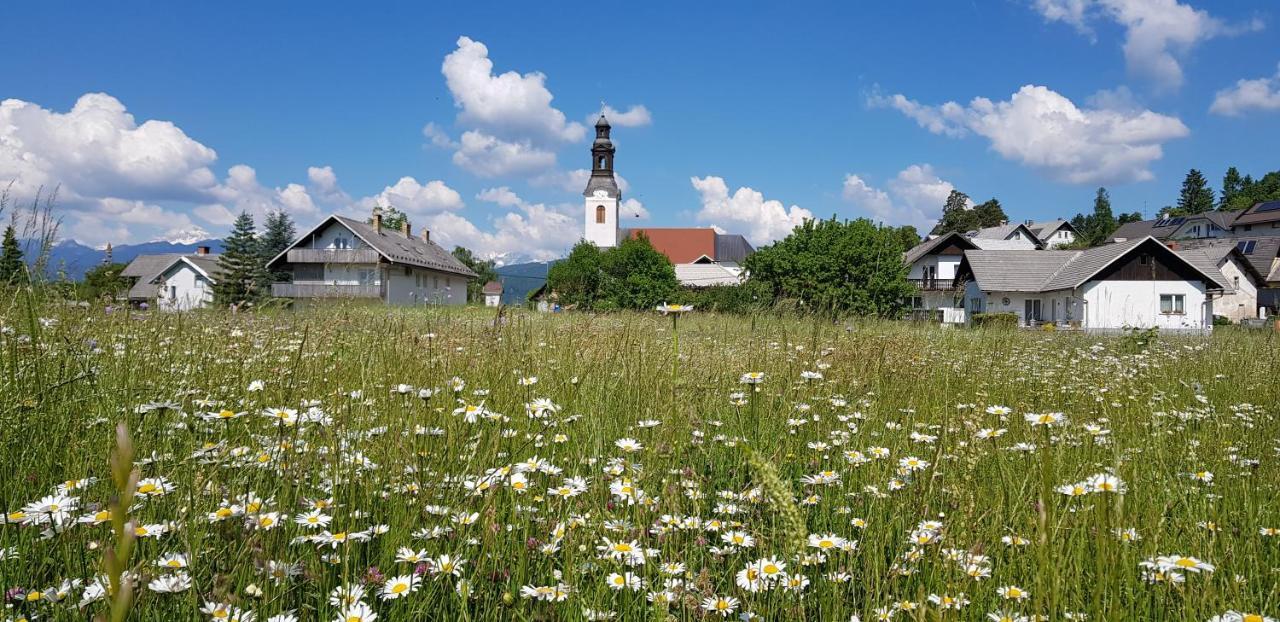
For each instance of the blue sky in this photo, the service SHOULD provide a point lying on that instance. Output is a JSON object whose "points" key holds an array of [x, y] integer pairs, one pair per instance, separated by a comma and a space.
{"points": [[751, 119]]}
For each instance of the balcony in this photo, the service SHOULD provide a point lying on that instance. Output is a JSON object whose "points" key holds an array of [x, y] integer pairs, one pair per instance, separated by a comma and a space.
{"points": [[332, 255], [933, 285], [324, 290]]}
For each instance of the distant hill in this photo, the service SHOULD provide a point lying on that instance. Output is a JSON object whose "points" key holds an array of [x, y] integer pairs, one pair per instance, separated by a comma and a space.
{"points": [[520, 279], [76, 258]]}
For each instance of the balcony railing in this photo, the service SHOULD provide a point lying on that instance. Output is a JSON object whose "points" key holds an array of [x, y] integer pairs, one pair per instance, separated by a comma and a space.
{"points": [[332, 255], [934, 284], [324, 290]]}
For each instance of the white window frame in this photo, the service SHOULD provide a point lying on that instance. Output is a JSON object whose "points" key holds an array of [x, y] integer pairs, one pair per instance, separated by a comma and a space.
{"points": [[1177, 304]]}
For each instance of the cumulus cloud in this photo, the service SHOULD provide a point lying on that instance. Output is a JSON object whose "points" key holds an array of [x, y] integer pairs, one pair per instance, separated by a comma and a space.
{"points": [[529, 230], [1261, 94], [1157, 32], [489, 156], [634, 209], [323, 185], [121, 180], [1042, 129], [508, 104], [915, 197], [574, 180], [414, 198], [635, 116], [765, 220]]}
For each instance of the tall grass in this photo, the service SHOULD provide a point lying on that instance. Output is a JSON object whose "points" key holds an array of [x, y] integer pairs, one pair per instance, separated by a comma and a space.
{"points": [[398, 466]]}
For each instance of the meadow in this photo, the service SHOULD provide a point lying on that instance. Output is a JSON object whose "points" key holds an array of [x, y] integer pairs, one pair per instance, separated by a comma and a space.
{"points": [[355, 464]]}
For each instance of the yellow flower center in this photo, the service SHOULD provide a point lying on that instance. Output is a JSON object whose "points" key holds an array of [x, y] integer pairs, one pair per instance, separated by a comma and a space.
{"points": [[399, 588], [147, 488]]}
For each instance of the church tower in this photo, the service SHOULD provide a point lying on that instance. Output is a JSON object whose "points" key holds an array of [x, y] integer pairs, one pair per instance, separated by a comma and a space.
{"points": [[602, 194]]}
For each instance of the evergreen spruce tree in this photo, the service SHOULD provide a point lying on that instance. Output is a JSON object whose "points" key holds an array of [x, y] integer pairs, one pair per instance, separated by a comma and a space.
{"points": [[1232, 185], [1196, 197], [956, 215], [243, 276], [277, 234], [12, 269]]}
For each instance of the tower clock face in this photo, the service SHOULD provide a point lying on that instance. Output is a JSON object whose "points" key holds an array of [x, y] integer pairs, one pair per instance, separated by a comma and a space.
{"points": [[600, 194]]}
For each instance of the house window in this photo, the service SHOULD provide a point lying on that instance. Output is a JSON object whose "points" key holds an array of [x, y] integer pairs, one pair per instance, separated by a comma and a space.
{"points": [[1032, 309], [435, 282], [365, 276], [600, 214], [1235, 282], [915, 302], [1145, 260], [173, 292], [1172, 304], [342, 243]]}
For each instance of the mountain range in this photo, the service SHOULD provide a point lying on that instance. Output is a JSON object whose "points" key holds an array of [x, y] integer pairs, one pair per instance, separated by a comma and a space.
{"points": [[75, 258]]}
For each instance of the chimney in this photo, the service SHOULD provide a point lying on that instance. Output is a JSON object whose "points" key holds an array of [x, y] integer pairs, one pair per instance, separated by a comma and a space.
{"points": [[377, 221], [202, 250], [1028, 222], [406, 229], [426, 234]]}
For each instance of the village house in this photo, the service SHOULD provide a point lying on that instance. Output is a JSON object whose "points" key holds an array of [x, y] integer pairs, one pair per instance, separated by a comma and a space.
{"points": [[1135, 284], [1209, 225], [1053, 233], [492, 292], [347, 258], [1259, 278], [173, 281], [931, 267]]}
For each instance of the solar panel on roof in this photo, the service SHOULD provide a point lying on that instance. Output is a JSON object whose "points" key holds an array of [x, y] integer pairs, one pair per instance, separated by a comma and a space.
{"points": [[1246, 246], [1269, 206], [1179, 220]]}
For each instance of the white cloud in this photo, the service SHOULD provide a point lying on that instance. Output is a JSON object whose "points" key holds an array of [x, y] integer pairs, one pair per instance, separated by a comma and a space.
{"points": [[531, 230], [438, 136], [915, 197], [575, 180], [765, 220], [489, 156], [186, 235], [414, 198], [323, 185], [1040, 128], [241, 192], [632, 209], [98, 150], [1157, 32], [509, 104], [1258, 94], [635, 116]]}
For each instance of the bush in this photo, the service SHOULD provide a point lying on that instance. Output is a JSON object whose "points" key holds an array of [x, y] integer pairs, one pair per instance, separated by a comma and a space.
{"points": [[995, 320], [745, 298], [1221, 320]]}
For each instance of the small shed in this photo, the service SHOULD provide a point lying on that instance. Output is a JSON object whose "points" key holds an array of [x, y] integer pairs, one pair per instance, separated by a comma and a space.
{"points": [[492, 292]]}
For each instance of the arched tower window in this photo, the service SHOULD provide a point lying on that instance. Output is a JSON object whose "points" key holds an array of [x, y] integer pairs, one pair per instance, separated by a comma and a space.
{"points": [[600, 214]]}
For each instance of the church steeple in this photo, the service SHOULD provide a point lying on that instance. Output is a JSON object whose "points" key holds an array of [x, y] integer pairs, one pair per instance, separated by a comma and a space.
{"points": [[602, 162], [602, 194]]}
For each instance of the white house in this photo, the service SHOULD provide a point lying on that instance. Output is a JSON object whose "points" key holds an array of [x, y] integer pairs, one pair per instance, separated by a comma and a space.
{"points": [[492, 292], [347, 258], [932, 264], [173, 281], [1017, 235], [1238, 260], [1053, 233], [1138, 284], [187, 282]]}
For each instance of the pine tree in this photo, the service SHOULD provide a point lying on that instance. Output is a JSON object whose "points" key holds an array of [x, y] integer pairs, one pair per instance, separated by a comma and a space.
{"points": [[277, 234], [12, 268], [1196, 197], [956, 215], [990, 214], [1232, 185], [1103, 223], [242, 275]]}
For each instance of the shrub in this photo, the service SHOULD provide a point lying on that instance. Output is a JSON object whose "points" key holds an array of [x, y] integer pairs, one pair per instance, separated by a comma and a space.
{"points": [[995, 320]]}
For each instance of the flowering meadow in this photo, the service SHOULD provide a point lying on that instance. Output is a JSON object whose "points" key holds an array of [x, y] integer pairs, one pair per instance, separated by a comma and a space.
{"points": [[354, 464]]}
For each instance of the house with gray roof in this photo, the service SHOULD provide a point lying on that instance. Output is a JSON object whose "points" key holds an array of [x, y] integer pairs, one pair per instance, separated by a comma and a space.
{"points": [[1208, 225], [348, 258], [173, 281], [1251, 265], [1053, 233], [1139, 284], [932, 264]]}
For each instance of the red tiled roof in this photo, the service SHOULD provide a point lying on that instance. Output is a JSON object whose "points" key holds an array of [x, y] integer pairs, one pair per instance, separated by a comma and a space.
{"points": [[680, 245]]}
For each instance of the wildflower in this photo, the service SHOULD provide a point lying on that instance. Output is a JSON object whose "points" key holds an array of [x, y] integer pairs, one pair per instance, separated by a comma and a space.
{"points": [[177, 582], [1236, 616], [752, 377], [1046, 419], [315, 519], [723, 605], [174, 561], [154, 487], [446, 565], [1105, 482], [1013, 592], [628, 445], [912, 463], [740, 539], [357, 612], [1182, 563], [628, 581], [825, 542], [999, 410], [397, 587]]}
